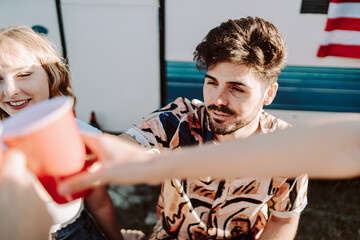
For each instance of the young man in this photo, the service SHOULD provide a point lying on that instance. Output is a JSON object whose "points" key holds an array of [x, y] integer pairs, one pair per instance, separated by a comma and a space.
{"points": [[243, 59]]}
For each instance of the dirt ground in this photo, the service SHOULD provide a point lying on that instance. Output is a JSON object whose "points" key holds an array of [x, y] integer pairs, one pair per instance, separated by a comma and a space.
{"points": [[332, 213]]}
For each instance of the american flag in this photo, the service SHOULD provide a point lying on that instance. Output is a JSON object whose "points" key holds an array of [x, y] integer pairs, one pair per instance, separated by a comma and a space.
{"points": [[342, 32]]}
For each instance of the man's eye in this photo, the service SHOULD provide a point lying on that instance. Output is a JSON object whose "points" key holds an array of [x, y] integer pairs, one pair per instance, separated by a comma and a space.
{"points": [[237, 89], [211, 83]]}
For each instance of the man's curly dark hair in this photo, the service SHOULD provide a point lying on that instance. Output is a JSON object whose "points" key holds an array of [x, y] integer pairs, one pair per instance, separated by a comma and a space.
{"points": [[253, 42]]}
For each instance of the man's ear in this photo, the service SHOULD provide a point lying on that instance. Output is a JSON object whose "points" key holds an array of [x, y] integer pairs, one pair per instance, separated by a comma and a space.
{"points": [[271, 93]]}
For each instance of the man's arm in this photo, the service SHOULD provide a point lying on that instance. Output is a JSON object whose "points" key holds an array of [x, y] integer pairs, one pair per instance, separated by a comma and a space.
{"points": [[280, 228]]}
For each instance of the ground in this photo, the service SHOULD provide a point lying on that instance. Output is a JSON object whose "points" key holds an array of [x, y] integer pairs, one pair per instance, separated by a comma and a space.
{"points": [[333, 210]]}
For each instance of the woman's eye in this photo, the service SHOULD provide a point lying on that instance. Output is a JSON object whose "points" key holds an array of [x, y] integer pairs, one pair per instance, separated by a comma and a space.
{"points": [[22, 75]]}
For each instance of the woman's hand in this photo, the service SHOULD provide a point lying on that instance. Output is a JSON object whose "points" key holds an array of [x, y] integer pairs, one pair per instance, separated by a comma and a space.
{"points": [[123, 163]]}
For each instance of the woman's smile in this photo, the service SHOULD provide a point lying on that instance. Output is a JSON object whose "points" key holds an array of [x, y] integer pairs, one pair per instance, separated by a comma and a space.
{"points": [[19, 104]]}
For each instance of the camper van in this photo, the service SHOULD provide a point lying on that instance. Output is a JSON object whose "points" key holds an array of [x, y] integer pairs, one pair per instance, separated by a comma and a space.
{"points": [[130, 57]]}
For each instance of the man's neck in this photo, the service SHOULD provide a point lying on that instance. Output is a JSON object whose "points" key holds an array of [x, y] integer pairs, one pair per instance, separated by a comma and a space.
{"points": [[243, 132]]}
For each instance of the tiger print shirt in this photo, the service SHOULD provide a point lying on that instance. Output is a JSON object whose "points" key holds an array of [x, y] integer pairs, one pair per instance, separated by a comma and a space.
{"points": [[207, 208]]}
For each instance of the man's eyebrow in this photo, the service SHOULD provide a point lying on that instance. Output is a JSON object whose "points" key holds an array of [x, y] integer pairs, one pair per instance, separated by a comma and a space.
{"points": [[211, 77], [237, 83], [231, 83]]}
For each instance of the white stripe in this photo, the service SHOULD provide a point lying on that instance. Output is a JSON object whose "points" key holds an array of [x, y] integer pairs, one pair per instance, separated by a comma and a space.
{"points": [[337, 10], [138, 135], [341, 37], [291, 213]]}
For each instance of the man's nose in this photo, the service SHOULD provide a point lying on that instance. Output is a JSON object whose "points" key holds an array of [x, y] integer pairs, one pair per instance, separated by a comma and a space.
{"points": [[221, 97]]}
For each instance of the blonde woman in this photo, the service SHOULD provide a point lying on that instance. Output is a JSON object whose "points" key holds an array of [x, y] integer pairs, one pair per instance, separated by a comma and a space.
{"points": [[31, 71]]}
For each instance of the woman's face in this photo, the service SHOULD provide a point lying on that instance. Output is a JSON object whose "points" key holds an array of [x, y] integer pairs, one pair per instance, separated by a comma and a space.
{"points": [[23, 81]]}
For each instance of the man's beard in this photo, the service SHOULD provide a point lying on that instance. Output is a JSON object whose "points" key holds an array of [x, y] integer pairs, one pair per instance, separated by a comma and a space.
{"points": [[217, 127]]}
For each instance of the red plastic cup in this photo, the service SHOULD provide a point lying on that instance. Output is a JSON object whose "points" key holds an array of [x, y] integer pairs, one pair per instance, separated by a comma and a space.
{"points": [[48, 135], [1, 157]]}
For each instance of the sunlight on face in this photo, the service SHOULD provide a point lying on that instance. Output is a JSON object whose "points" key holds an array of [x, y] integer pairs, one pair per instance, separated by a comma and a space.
{"points": [[233, 96], [23, 81]]}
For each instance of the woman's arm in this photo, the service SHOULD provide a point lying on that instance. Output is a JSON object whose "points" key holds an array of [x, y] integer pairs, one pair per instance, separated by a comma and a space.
{"points": [[102, 209]]}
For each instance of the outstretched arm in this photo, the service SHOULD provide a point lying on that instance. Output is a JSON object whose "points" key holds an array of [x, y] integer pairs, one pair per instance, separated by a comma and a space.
{"points": [[328, 150], [324, 150]]}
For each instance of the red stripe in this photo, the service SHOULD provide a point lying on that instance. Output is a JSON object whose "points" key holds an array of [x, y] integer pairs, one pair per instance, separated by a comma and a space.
{"points": [[351, 51], [352, 24], [345, 1]]}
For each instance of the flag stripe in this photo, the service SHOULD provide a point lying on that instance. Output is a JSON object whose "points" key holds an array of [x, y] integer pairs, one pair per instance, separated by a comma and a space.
{"points": [[350, 10], [341, 37], [345, 1], [339, 51], [342, 33], [351, 24]]}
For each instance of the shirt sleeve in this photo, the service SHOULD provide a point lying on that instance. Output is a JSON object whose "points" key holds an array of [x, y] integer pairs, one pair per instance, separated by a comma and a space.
{"points": [[149, 134], [159, 131], [290, 198], [168, 127]]}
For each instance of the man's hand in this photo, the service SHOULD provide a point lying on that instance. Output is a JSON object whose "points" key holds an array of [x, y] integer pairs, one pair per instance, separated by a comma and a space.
{"points": [[129, 234]]}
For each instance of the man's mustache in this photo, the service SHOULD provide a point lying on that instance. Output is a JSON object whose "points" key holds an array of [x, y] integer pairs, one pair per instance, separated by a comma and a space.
{"points": [[222, 108]]}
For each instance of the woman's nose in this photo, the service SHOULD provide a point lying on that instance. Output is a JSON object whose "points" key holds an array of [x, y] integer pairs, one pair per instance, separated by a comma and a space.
{"points": [[11, 89]]}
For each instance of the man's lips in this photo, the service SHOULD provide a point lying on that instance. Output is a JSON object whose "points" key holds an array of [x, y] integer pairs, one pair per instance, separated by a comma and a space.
{"points": [[220, 115]]}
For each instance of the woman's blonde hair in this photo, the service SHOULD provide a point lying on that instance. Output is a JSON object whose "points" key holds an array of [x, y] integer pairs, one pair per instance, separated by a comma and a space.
{"points": [[44, 51]]}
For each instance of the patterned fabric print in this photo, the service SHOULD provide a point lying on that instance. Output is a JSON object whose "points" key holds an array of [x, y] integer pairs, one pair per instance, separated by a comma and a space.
{"points": [[232, 208]]}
